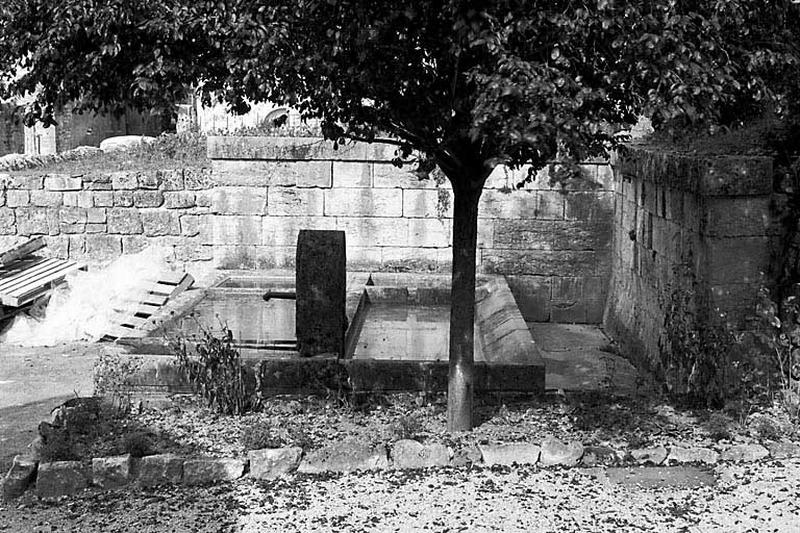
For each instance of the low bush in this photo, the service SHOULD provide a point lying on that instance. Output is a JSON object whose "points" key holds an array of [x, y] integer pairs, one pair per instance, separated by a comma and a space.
{"points": [[407, 426], [213, 367], [778, 335], [112, 376], [699, 346]]}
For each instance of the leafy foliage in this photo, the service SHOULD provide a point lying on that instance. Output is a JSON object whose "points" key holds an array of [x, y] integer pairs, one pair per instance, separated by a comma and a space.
{"points": [[466, 83], [214, 369]]}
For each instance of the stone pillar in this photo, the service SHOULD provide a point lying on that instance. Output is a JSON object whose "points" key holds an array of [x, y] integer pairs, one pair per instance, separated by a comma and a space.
{"points": [[321, 281]]}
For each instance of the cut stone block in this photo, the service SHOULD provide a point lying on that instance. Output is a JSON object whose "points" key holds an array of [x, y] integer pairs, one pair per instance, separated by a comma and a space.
{"points": [[271, 463], [409, 453], [61, 478], [62, 182], [205, 471], [321, 283], [784, 450], [111, 472], [521, 453], [654, 456], [555, 452], [599, 455], [19, 477], [693, 455], [345, 456], [159, 470], [745, 453]]}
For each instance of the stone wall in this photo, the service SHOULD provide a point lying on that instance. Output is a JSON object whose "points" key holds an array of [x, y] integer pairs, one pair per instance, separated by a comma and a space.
{"points": [[553, 246], [679, 217], [95, 217], [245, 213]]}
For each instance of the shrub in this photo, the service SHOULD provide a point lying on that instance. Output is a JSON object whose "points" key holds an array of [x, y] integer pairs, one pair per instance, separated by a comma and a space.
{"points": [[407, 426], [213, 368], [112, 375], [258, 436], [718, 427]]}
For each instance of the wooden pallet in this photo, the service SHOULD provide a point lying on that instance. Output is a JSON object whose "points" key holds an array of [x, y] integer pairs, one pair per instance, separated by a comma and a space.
{"points": [[24, 280], [153, 295]]}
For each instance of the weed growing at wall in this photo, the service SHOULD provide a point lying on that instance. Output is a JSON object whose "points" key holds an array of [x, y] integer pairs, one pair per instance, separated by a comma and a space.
{"points": [[213, 367], [779, 335], [698, 346], [112, 375]]}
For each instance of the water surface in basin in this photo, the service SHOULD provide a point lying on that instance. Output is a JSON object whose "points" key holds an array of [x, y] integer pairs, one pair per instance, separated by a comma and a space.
{"points": [[397, 331], [248, 316]]}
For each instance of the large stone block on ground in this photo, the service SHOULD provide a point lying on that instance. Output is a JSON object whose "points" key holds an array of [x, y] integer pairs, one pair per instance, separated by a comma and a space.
{"points": [[521, 453], [78, 414], [555, 452], [346, 456], [744, 453], [111, 472], [205, 471], [692, 455], [61, 478], [408, 453], [19, 477], [321, 283], [273, 462], [159, 470], [654, 456], [784, 450]]}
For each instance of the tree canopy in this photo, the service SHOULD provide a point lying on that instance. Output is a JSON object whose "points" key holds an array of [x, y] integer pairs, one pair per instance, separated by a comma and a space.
{"points": [[513, 81], [468, 84]]}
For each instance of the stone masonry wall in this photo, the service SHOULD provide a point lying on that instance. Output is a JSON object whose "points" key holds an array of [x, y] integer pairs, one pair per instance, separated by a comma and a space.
{"points": [[713, 215], [553, 246], [245, 213], [98, 216]]}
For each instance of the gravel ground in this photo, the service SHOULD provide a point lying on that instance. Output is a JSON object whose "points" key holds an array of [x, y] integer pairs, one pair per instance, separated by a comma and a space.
{"points": [[762, 497]]}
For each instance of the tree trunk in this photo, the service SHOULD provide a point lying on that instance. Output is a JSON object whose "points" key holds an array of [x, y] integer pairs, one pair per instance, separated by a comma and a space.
{"points": [[460, 384]]}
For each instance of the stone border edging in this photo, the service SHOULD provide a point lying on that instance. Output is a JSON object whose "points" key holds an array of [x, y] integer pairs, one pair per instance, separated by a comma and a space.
{"points": [[55, 479]]}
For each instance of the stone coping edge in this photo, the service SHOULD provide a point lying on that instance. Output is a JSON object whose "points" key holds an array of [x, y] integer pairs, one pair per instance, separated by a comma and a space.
{"points": [[54, 479]]}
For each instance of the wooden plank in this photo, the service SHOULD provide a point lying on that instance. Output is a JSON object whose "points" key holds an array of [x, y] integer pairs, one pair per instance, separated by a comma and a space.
{"points": [[118, 332], [18, 294], [148, 298], [172, 289], [171, 278], [23, 302], [32, 276], [20, 251], [12, 276]]}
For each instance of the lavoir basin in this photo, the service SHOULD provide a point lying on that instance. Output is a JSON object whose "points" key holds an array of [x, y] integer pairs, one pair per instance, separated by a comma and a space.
{"points": [[397, 337]]}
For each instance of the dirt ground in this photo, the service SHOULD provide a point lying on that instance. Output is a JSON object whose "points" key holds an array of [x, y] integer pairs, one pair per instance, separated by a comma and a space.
{"points": [[32, 382]]}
